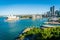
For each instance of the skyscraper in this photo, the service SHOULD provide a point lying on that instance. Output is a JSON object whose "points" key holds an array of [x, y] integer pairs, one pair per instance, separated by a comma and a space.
{"points": [[52, 11]]}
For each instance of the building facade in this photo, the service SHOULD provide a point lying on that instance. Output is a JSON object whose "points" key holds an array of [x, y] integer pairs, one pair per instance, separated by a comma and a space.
{"points": [[52, 11]]}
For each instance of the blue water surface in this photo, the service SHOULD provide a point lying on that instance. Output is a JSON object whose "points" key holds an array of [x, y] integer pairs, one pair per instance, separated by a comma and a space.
{"points": [[9, 30]]}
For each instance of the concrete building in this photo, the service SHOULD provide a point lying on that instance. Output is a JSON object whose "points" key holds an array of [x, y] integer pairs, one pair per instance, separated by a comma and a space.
{"points": [[11, 17], [57, 12], [52, 11]]}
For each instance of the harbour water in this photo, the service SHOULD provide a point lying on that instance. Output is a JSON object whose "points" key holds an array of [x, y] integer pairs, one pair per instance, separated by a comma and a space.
{"points": [[10, 30]]}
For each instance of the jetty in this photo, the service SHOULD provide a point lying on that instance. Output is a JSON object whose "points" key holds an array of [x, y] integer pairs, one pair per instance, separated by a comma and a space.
{"points": [[48, 26], [51, 22]]}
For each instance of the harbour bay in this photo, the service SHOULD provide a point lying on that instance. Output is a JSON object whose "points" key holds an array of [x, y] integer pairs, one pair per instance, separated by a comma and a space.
{"points": [[10, 30]]}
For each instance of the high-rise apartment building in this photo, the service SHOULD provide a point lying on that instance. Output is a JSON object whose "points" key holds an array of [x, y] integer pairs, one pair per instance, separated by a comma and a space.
{"points": [[52, 11]]}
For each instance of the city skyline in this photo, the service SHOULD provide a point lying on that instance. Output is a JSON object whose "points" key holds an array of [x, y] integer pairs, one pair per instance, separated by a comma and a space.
{"points": [[27, 6]]}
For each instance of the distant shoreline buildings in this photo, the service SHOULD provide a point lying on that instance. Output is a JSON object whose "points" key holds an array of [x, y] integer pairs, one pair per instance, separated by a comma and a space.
{"points": [[52, 12], [11, 17]]}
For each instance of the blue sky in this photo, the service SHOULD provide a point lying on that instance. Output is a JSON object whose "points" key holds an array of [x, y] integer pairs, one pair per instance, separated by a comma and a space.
{"points": [[8, 7]]}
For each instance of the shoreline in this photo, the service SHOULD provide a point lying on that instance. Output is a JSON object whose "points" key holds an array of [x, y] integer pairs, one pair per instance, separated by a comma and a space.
{"points": [[27, 29]]}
